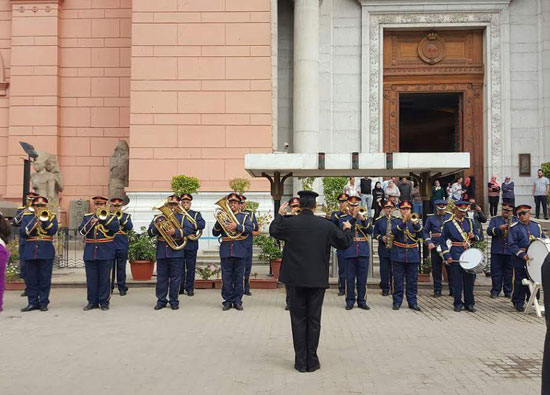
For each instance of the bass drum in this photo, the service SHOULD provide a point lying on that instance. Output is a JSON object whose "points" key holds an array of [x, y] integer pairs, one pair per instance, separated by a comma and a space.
{"points": [[538, 251], [473, 260]]}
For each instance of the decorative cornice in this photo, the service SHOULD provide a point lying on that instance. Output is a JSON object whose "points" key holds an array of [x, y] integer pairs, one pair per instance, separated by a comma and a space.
{"points": [[432, 3], [59, 2]]}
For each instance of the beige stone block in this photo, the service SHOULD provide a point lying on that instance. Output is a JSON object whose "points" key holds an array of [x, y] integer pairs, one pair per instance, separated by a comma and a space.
{"points": [[154, 68], [201, 68], [226, 50], [260, 17], [33, 115], [75, 57], [201, 136], [153, 34], [234, 168], [105, 57], [201, 102], [126, 28], [248, 68], [248, 102], [34, 56], [177, 153], [75, 87], [31, 27], [226, 17], [75, 117], [74, 146], [178, 17], [177, 50], [105, 87], [247, 5], [77, 175], [91, 14], [143, 17], [226, 153], [141, 119], [125, 57], [249, 136], [177, 119], [90, 42], [146, 136], [227, 85], [105, 28], [33, 85], [142, 153], [99, 175], [124, 117], [261, 119], [248, 34], [225, 119], [124, 87], [157, 169], [121, 133], [156, 5], [89, 132], [122, 42], [75, 28], [201, 34], [106, 4], [104, 117], [262, 50], [93, 161], [154, 102], [91, 72], [103, 146], [203, 169], [201, 5], [261, 85]]}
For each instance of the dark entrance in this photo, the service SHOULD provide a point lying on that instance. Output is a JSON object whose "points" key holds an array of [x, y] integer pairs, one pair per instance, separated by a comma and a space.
{"points": [[430, 122]]}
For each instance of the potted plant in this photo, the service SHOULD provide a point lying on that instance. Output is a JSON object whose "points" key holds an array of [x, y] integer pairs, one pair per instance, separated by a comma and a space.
{"points": [[205, 273], [13, 274], [425, 270], [184, 184], [270, 252], [239, 185], [141, 254]]}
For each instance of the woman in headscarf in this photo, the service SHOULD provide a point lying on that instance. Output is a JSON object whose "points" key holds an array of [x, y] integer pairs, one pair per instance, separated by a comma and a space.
{"points": [[377, 199], [494, 193]]}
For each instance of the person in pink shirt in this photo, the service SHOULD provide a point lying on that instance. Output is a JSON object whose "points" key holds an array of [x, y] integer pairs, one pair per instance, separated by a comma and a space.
{"points": [[4, 255]]}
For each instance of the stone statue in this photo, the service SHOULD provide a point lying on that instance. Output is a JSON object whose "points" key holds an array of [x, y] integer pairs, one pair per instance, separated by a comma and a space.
{"points": [[47, 180], [77, 210], [118, 171]]}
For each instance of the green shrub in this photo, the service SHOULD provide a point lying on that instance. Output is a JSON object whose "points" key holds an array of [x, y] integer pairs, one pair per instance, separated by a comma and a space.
{"points": [[332, 187], [239, 185], [12, 273], [184, 184], [141, 246], [545, 169], [307, 183], [252, 205], [270, 250]]}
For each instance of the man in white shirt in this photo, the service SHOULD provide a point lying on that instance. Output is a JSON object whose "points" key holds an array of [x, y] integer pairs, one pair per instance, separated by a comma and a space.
{"points": [[541, 188]]}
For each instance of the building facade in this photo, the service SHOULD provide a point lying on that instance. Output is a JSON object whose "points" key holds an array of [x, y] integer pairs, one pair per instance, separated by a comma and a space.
{"points": [[194, 85]]}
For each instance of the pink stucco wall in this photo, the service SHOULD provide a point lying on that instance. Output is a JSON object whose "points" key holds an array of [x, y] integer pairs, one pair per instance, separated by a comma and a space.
{"points": [[186, 82]]}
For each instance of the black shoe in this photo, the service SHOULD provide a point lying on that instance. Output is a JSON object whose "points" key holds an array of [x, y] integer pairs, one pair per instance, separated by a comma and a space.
{"points": [[301, 369], [44, 308], [348, 307], [247, 293], [104, 308], [414, 307], [508, 295], [471, 309], [385, 292], [24, 293], [226, 307], [314, 368], [287, 308], [520, 308], [396, 307], [437, 294], [160, 306], [494, 296], [364, 306], [190, 293], [90, 306], [182, 291], [175, 307], [451, 293], [30, 307], [341, 293], [239, 307], [546, 218], [458, 309], [122, 292]]}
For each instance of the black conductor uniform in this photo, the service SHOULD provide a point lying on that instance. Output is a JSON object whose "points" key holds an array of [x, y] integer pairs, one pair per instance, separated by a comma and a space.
{"points": [[304, 272]]}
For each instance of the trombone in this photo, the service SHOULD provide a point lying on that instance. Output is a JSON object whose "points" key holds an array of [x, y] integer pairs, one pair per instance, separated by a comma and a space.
{"points": [[40, 217], [101, 213]]}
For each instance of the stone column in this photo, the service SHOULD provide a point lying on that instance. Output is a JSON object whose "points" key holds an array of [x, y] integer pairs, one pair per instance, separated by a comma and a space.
{"points": [[306, 76], [34, 84]]}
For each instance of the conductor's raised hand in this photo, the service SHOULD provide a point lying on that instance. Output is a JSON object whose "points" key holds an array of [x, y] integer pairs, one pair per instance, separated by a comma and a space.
{"points": [[282, 209]]}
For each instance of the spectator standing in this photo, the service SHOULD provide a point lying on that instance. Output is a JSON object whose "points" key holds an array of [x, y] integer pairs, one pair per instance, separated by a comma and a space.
{"points": [[494, 194], [377, 199], [478, 217], [366, 193], [449, 191], [508, 195], [438, 193], [405, 189], [541, 187], [456, 189], [392, 191], [351, 188], [417, 200]]}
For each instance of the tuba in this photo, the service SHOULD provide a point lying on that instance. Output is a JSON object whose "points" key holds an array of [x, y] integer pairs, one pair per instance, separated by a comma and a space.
{"points": [[198, 233], [225, 216], [165, 222]]}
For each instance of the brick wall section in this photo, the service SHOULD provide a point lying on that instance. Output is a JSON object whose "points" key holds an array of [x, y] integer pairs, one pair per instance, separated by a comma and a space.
{"points": [[95, 40], [200, 90]]}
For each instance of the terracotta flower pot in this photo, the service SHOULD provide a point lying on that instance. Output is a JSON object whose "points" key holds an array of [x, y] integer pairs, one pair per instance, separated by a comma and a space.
{"points": [[263, 283], [423, 278], [276, 267], [218, 283], [204, 284], [15, 286], [142, 270]]}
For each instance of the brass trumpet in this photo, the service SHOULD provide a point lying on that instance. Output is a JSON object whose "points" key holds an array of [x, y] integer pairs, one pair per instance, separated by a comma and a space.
{"points": [[225, 216], [415, 218], [297, 211], [165, 222], [363, 211], [119, 213]]}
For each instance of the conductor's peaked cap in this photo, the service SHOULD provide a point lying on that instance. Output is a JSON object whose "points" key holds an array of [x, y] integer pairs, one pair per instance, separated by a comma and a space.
{"points": [[308, 194]]}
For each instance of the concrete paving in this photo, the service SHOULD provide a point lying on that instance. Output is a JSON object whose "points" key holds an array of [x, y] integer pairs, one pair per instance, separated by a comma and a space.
{"points": [[132, 349]]}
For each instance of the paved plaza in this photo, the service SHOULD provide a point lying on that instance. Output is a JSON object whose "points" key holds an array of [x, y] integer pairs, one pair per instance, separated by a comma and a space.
{"points": [[132, 349]]}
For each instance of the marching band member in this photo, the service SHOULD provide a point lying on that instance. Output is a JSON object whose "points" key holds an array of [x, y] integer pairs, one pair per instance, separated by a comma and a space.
{"points": [[99, 229], [249, 243], [501, 264], [382, 228], [432, 236], [521, 234], [121, 245], [191, 248], [460, 231], [38, 230], [356, 256], [405, 256], [17, 220], [169, 260], [233, 254], [335, 218]]}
